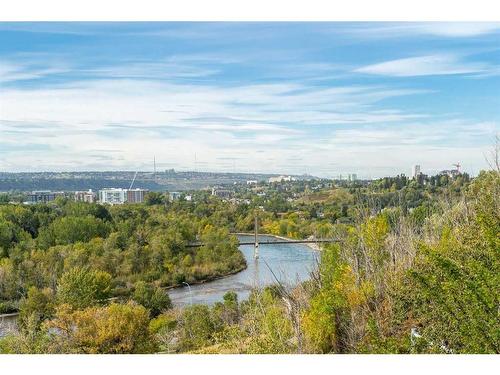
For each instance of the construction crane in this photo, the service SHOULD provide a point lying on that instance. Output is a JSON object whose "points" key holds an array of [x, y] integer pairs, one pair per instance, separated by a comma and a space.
{"points": [[132, 183], [457, 165], [154, 168]]}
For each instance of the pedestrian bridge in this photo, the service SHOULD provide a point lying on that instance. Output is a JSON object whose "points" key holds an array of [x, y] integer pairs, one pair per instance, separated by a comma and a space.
{"points": [[287, 242]]}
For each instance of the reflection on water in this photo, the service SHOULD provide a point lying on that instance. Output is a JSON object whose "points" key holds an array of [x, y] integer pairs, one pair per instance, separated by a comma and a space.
{"points": [[288, 263]]}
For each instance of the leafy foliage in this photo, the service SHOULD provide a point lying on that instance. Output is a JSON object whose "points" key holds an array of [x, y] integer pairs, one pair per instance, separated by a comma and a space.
{"points": [[152, 298], [117, 328], [81, 287]]}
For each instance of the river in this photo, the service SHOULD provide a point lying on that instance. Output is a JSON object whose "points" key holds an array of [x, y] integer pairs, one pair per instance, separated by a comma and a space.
{"points": [[289, 263]]}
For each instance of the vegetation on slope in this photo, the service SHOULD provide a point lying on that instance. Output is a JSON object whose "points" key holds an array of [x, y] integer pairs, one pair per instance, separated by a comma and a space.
{"points": [[417, 271]]}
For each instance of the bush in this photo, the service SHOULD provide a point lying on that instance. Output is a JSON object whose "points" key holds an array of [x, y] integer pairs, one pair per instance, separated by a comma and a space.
{"points": [[8, 307], [113, 329]]}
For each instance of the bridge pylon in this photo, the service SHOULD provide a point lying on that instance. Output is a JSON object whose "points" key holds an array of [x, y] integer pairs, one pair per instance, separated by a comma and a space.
{"points": [[256, 231]]}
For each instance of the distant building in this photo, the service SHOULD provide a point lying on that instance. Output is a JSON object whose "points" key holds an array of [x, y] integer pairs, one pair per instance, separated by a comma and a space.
{"points": [[252, 182], [352, 177], [422, 179], [415, 171], [281, 179], [174, 195], [222, 193], [43, 196], [136, 195], [85, 196], [120, 196], [112, 196], [450, 172]]}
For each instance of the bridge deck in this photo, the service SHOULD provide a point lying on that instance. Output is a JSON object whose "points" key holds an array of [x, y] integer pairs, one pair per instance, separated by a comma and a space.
{"points": [[274, 242]]}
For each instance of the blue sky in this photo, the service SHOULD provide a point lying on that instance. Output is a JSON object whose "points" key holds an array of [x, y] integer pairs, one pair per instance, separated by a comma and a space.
{"points": [[319, 98]]}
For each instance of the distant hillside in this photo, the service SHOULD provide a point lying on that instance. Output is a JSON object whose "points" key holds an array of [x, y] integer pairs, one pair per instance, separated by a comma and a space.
{"points": [[168, 180]]}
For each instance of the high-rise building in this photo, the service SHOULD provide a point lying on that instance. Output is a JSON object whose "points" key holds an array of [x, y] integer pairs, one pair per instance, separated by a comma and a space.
{"points": [[85, 196], [415, 171], [120, 196], [43, 196], [136, 195]]}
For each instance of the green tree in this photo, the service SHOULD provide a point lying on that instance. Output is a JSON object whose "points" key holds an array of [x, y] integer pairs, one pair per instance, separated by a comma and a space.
{"points": [[81, 287], [154, 198], [7, 237], [155, 299], [197, 328], [71, 229], [228, 311], [38, 305], [113, 329], [327, 322]]}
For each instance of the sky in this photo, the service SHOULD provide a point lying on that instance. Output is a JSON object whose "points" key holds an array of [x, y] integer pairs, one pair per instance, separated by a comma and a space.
{"points": [[318, 98]]}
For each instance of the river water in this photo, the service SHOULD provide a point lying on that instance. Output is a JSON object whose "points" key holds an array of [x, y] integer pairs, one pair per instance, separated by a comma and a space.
{"points": [[289, 263]]}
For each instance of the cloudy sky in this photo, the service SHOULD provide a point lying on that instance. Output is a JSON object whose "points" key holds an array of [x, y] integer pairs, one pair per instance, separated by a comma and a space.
{"points": [[318, 98]]}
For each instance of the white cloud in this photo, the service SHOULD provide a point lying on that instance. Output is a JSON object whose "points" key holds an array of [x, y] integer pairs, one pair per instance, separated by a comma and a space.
{"points": [[424, 66], [11, 71], [410, 29], [135, 119], [94, 105], [459, 29]]}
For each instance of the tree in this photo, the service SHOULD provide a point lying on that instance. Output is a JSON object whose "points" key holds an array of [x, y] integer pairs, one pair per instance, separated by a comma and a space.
{"points": [[154, 198], [70, 229], [228, 310], [155, 299], [163, 329], [38, 305], [219, 246], [197, 328], [266, 325], [328, 320], [83, 209], [113, 329], [81, 287]]}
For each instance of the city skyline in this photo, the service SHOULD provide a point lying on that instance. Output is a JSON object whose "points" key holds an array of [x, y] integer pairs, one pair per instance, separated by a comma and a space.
{"points": [[324, 99]]}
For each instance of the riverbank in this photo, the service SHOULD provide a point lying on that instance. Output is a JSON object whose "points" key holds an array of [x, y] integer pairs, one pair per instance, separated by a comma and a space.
{"points": [[313, 246], [209, 279]]}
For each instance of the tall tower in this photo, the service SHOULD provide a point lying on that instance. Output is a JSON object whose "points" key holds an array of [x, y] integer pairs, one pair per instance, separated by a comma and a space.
{"points": [[415, 171]]}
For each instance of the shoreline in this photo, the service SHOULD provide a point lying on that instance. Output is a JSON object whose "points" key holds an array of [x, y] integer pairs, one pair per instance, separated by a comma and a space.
{"points": [[207, 280]]}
